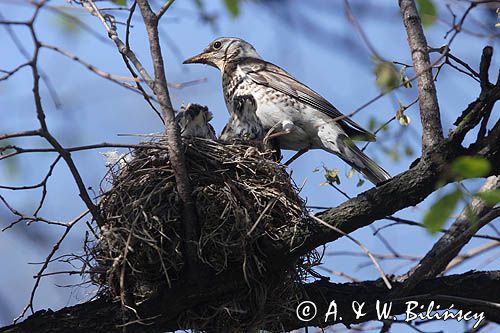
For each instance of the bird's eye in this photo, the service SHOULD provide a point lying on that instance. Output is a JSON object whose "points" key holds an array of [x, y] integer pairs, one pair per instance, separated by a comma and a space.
{"points": [[217, 45]]}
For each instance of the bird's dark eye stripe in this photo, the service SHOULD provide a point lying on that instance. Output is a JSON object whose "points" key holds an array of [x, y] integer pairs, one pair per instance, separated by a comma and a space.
{"points": [[217, 45]]}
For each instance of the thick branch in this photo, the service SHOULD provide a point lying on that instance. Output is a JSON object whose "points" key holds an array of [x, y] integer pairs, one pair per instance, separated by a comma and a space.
{"points": [[102, 316], [405, 190], [467, 286], [432, 134]]}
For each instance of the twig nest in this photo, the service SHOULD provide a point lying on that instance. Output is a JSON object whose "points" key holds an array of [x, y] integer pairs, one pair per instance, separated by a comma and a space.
{"points": [[240, 193]]}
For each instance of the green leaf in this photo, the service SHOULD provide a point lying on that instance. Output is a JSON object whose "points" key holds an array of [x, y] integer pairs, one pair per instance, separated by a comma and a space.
{"points": [[67, 23], [385, 128], [470, 167], [331, 175], [491, 197], [387, 77], [435, 218], [427, 11], [371, 124], [409, 150], [393, 154], [233, 6], [120, 2]]}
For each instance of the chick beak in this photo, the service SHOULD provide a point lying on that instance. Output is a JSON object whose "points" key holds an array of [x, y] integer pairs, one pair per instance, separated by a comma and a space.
{"points": [[197, 59]]}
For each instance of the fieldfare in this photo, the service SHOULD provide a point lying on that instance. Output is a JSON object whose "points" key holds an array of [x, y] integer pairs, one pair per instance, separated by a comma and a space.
{"points": [[243, 123], [303, 119], [193, 121]]}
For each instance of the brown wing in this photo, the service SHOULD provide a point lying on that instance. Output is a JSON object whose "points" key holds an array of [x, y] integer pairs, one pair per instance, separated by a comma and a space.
{"points": [[269, 75]]}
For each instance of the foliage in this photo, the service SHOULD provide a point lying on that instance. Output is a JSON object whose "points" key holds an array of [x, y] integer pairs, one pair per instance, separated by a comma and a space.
{"points": [[427, 11], [331, 176], [401, 117], [233, 6], [387, 76], [463, 167], [470, 167], [491, 197], [441, 210]]}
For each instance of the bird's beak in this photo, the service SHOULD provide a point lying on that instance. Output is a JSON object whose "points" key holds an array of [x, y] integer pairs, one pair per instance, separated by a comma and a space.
{"points": [[197, 59]]}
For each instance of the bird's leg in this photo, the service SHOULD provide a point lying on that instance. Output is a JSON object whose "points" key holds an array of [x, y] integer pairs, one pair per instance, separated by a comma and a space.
{"points": [[286, 128], [297, 155], [265, 141]]}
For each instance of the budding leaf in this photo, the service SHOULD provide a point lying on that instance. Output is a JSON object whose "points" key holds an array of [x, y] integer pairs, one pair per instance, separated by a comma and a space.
{"points": [[360, 183], [332, 175], [436, 217], [403, 78], [470, 167], [120, 2], [408, 151], [401, 117], [404, 120]]}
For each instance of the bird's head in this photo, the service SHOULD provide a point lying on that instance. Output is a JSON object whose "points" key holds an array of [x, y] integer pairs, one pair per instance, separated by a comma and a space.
{"points": [[193, 121], [194, 114], [224, 50]]}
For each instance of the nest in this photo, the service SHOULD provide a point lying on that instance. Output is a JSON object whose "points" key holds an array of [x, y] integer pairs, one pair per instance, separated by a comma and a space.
{"points": [[241, 195]]}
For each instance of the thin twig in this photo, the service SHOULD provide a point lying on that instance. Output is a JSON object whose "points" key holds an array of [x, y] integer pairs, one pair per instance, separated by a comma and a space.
{"points": [[372, 258]]}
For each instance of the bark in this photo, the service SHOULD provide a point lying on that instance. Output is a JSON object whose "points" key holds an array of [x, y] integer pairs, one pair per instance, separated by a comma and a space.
{"points": [[432, 132], [175, 149], [102, 316]]}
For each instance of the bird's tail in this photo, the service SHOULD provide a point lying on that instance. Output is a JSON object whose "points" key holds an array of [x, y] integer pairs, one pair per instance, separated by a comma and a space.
{"points": [[353, 156]]}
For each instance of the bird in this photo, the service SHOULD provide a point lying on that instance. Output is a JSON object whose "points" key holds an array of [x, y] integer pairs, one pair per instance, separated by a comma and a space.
{"points": [[245, 127], [243, 123], [193, 121], [300, 118]]}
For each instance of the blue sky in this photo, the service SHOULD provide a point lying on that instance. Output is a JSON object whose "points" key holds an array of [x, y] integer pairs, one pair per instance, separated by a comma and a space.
{"points": [[333, 61]]}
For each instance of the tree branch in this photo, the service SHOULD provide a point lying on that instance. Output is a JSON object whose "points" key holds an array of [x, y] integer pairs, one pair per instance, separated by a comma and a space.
{"points": [[164, 8], [404, 190], [103, 316], [432, 134], [464, 286], [175, 152], [450, 244]]}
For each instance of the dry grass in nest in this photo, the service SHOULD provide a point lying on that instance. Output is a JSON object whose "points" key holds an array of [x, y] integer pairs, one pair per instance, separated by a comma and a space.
{"points": [[241, 195]]}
